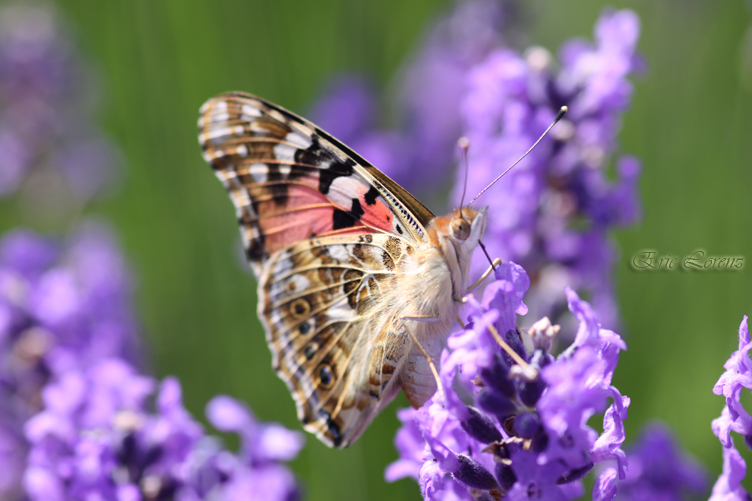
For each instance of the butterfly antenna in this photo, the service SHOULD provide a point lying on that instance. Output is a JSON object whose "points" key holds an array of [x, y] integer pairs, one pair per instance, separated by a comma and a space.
{"points": [[464, 144], [561, 113]]}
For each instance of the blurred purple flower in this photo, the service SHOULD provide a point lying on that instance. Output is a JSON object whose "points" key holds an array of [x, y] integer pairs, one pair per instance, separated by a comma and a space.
{"points": [[659, 470], [96, 439], [525, 435], [734, 417], [552, 212], [62, 307], [348, 111], [419, 152], [46, 127]]}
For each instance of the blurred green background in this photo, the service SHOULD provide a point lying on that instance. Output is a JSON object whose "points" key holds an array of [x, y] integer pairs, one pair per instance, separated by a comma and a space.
{"points": [[690, 123]]}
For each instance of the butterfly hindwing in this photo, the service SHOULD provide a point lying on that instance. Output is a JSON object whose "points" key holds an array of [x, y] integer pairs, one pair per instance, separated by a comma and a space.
{"points": [[333, 340], [290, 181]]}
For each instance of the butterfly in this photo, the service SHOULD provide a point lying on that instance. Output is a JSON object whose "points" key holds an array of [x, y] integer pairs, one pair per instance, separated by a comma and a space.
{"points": [[358, 282]]}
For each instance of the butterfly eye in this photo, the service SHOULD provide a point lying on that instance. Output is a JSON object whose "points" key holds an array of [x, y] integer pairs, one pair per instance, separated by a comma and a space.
{"points": [[460, 229]]}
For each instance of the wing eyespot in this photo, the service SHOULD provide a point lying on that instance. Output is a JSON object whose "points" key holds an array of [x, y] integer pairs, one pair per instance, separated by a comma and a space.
{"points": [[326, 377], [300, 308]]}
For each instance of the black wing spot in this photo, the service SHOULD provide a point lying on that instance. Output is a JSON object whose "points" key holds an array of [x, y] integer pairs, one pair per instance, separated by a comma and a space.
{"points": [[328, 175], [304, 328], [356, 210], [332, 427], [371, 195], [326, 378], [341, 219], [398, 228], [310, 351]]}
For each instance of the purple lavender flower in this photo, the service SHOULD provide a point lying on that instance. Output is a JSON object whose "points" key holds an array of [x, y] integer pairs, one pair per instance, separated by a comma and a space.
{"points": [[659, 470], [734, 417], [46, 128], [525, 434], [97, 439], [62, 307], [552, 212]]}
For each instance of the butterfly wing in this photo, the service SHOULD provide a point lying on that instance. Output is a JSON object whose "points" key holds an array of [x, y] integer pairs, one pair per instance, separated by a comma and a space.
{"points": [[325, 305], [289, 180], [324, 231]]}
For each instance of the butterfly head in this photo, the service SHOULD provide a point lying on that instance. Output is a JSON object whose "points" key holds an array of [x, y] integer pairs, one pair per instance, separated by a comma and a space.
{"points": [[467, 226], [456, 236]]}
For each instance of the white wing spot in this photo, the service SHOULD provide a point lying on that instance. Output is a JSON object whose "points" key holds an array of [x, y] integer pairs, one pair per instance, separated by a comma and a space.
{"points": [[258, 172], [284, 169], [239, 130], [298, 140], [340, 311], [293, 285], [242, 150], [339, 252], [283, 264], [214, 133], [285, 152], [210, 155], [344, 189], [220, 117], [249, 112]]}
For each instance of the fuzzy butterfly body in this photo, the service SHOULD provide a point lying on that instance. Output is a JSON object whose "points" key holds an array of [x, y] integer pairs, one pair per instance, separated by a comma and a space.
{"points": [[351, 268]]}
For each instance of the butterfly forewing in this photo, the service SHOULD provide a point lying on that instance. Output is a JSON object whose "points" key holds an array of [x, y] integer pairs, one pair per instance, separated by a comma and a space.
{"points": [[290, 180]]}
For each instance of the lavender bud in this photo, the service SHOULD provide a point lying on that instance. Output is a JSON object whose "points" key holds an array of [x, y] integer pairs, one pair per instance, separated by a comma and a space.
{"points": [[496, 403], [474, 475], [497, 376], [539, 442], [480, 427], [575, 474], [505, 476], [513, 339], [526, 425], [530, 391]]}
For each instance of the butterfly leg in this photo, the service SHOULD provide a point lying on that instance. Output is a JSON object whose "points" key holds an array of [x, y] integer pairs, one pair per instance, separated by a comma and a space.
{"points": [[485, 274], [428, 358]]}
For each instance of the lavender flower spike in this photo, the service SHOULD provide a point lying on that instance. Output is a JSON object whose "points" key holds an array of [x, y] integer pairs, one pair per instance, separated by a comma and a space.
{"points": [[734, 417], [63, 306], [562, 184], [97, 439], [660, 470], [502, 431], [46, 127]]}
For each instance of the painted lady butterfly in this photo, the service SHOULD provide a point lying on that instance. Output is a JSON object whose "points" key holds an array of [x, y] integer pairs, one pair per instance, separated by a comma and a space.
{"points": [[358, 282]]}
